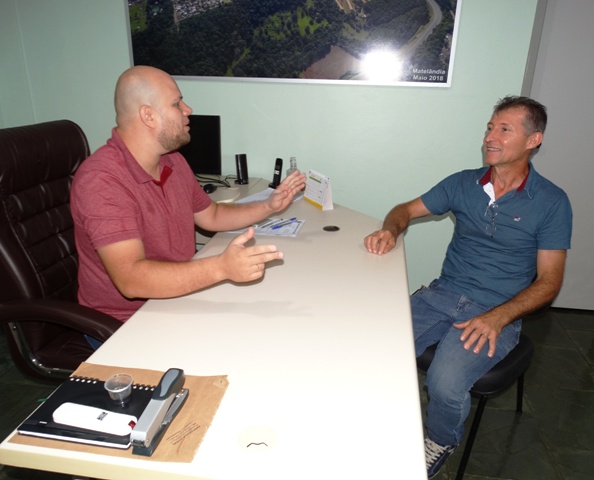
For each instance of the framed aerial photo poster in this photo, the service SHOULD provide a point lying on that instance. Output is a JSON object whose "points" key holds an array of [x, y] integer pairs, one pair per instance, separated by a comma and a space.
{"points": [[393, 42]]}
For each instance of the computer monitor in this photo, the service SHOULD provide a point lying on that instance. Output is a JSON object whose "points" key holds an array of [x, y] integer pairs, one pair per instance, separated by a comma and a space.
{"points": [[203, 153]]}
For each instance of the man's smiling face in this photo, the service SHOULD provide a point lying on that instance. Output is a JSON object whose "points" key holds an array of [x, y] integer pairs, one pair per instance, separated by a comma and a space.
{"points": [[506, 140]]}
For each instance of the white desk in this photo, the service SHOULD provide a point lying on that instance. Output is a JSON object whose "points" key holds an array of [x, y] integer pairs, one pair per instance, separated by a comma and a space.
{"points": [[319, 356], [235, 192]]}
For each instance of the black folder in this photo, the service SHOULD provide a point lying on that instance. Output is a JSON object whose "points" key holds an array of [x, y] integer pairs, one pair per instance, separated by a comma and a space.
{"points": [[90, 392]]}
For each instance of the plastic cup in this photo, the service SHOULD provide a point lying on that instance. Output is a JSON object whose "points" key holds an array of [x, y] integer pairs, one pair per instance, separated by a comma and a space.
{"points": [[119, 387]]}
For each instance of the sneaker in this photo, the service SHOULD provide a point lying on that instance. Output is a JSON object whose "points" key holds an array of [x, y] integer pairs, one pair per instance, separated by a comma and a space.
{"points": [[435, 456]]}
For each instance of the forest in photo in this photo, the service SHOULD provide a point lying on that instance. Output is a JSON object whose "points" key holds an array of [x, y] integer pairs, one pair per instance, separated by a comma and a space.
{"points": [[292, 39]]}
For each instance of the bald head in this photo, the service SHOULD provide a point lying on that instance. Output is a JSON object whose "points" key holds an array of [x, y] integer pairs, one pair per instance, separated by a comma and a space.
{"points": [[151, 116], [138, 86]]}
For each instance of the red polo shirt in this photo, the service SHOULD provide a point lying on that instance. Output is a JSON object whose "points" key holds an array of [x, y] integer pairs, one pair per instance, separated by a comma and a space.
{"points": [[114, 199]]}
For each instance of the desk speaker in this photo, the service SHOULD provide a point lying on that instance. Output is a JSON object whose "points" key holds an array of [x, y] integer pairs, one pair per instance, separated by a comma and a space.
{"points": [[242, 170]]}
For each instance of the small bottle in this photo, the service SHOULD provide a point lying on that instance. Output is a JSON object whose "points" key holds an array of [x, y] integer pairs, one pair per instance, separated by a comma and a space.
{"points": [[292, 166]]}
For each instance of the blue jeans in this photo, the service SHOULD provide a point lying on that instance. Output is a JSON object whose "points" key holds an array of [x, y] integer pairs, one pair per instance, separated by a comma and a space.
{"points": [[454, 370], [93, 342]]}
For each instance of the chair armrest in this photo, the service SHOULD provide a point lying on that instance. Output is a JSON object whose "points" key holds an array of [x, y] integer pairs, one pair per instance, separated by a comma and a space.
{"points": [[67, 314]]}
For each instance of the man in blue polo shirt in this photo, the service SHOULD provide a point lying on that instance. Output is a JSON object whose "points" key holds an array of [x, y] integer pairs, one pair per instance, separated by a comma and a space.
{"points": [[505, 260]]}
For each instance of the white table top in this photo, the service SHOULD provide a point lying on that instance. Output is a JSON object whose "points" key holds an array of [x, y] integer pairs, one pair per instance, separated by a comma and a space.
{"points": [[319, 356]]}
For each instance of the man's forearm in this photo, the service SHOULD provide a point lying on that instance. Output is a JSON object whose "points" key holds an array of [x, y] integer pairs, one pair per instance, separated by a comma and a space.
{"points": [[155, 279], [232, 217], [397, 220], [539, 294]]}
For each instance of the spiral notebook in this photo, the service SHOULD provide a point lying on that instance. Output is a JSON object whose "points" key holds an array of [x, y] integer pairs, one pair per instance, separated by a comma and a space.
{"points": [[180, 444], [90, 392]]}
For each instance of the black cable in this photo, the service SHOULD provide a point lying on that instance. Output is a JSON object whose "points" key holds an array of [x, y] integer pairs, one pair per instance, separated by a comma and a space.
{"points": [[215, 180]]}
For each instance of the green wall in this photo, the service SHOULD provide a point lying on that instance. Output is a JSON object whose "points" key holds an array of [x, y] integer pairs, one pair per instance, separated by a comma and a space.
{"points": [[380, 145]]}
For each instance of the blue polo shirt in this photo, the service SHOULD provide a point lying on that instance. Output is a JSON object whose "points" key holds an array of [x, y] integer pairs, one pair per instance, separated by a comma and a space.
{"points": [[492, 254]]}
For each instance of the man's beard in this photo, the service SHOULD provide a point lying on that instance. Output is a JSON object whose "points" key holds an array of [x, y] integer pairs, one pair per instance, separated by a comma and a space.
{"points": [[172, 142]]}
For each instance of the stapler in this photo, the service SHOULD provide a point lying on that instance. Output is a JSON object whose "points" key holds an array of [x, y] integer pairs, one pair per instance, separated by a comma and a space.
{"points": [[167, 399]]}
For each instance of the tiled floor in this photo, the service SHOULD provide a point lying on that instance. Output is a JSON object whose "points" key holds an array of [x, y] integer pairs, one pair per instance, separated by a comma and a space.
{"points": [[552, 440]]}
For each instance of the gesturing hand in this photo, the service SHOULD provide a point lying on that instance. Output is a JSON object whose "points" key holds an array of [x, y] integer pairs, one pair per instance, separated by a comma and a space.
{"points": [[284, 193], [245, 264]]}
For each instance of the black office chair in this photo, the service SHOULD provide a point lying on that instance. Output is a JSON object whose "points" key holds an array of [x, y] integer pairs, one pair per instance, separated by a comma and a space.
{"points": [[496, 381], [43, 322]]}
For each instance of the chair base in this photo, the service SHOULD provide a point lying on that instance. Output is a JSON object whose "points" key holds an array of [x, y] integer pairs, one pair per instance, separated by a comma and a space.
{"points": [[475, 425]]}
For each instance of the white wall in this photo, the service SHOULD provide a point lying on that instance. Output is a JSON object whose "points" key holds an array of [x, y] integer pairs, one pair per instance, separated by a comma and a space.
{"points": [[379, 145], [563, 82]]}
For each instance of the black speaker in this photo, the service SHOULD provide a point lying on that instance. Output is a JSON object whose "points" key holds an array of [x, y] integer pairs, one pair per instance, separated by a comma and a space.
{"points": [[242, 171]]}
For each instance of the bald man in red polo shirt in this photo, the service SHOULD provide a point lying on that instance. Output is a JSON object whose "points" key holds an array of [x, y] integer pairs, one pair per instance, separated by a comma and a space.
{"points": [[135, 204]]}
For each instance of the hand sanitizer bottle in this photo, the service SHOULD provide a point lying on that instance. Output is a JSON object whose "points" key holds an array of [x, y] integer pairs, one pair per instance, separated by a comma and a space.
{"points": [[292, 166]]}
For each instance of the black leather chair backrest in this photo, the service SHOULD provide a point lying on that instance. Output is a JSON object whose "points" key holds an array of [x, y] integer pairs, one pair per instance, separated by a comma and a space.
{"points": [[37, 251], [38, 258]]}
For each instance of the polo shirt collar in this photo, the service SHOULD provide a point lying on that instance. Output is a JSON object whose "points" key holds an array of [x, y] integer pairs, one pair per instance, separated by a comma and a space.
{"points": [[138, 173], [486, 178], [166, 171]]}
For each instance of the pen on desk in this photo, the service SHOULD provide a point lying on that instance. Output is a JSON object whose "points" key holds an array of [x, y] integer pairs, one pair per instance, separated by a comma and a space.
{"points": [[269, 222], [275, 222], [286, 222]]}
